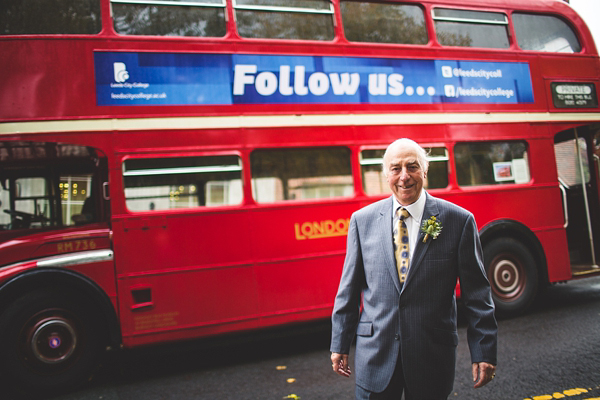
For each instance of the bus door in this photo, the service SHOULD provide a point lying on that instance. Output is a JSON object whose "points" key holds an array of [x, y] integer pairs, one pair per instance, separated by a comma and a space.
{"points": [[182, 248], [304, 203], [576, 152]]}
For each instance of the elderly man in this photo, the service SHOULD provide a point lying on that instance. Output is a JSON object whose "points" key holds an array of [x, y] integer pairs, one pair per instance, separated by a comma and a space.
{"points": [[404, 256]]}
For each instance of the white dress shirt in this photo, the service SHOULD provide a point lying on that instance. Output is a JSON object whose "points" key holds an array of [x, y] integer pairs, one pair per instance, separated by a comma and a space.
{"points": [[413, 223]]}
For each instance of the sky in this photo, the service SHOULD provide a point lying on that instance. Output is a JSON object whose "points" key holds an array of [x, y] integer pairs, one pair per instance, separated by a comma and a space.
{"points": [[589, 10]]}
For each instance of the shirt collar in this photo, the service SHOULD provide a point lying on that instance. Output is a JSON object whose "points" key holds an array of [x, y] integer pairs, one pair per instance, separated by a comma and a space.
{"points": [[415, 209]]}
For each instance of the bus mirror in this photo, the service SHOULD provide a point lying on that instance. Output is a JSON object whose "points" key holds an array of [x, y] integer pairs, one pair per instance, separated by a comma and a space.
{"points": [[105, 192]]}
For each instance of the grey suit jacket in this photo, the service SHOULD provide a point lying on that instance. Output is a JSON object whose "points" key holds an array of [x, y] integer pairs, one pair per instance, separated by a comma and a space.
{"points": [[416, 320]]}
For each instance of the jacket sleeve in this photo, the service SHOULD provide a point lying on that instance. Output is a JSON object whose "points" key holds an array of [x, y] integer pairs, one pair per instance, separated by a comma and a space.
{"points": [[346, 309], [482, 328]]}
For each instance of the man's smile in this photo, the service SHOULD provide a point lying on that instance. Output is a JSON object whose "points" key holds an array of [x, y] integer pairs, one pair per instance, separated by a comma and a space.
{"points": [[405, 187]]}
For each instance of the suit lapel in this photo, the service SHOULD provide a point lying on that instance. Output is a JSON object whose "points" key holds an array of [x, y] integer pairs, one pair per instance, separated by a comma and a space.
{"points": [[431, 209], [387, 242]]}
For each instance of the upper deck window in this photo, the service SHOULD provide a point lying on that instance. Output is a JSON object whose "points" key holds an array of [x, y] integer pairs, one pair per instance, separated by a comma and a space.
{"points": [[384, 23], [544, 33], [34, 17], [285, 19], [471, 28], [201, 18]]}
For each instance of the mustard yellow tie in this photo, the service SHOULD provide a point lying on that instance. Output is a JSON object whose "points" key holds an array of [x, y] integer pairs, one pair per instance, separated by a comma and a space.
{"points": [[401, 244]]}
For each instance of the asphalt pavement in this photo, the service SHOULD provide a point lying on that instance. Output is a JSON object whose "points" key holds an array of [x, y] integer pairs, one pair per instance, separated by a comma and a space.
{"points": [[551, 352]]}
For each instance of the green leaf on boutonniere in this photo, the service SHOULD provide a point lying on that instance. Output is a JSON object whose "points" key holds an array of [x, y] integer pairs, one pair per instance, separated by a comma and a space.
{"points": [[432, 228]]}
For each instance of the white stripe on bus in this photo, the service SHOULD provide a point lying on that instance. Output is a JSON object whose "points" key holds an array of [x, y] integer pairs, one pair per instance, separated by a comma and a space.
{"points": [[84, 257], [273, 121]]}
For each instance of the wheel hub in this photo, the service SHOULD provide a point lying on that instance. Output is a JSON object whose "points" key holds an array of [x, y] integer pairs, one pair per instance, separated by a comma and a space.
{"points": [[53, 340], [506, 276]]}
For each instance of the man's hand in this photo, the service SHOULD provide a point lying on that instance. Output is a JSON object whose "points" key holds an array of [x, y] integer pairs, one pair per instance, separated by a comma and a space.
{"points": [[483, 373], [339, 363]]}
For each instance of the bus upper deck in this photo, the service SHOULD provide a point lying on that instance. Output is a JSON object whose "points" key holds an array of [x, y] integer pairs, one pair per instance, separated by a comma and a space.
{"points": [[109, 65]]}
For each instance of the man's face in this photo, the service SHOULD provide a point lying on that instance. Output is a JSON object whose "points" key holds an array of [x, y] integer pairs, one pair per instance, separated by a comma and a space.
{"points": [[404, 174]]}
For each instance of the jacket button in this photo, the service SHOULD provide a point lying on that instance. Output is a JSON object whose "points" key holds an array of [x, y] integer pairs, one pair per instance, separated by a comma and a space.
{"points": [[397, 337]]}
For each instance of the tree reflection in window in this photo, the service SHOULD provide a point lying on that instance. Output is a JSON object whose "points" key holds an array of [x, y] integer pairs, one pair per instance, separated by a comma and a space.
{"points": [[31, 17], [290, 19], [383, 23], [206, 19], [468, 28]]}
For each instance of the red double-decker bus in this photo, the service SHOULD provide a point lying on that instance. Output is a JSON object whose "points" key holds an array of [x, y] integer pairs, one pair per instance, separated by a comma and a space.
{"points": [[180, 169]]}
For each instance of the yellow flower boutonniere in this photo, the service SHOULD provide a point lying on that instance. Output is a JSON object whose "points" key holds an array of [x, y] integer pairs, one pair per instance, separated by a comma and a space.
{"points": [[431, 227]]}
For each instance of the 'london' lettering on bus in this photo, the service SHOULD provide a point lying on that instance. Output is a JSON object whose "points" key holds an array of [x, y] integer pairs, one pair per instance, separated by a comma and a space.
{"points": [[321, 229]]}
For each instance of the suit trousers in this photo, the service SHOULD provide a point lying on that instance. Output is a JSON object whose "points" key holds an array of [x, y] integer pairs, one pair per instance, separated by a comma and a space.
{"points": [[394, 390]]}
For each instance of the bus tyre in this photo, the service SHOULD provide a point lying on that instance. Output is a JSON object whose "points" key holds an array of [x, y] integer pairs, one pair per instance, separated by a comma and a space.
{"points": [[49, 342], [513, 275]]}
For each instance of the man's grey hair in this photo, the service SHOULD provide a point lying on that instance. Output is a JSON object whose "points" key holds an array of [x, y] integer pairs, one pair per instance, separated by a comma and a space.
{"points": [[421, 154]]}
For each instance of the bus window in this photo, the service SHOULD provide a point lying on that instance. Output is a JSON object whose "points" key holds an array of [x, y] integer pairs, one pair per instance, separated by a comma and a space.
{"points": [[285, 19], [491, 163], [471, 28], [383, 23], [49, 185], [200, 18], [76, 198], [34, 17], [569, 168], [32, 204], [544, 33], [375, 183], [301, 174], [155, 184]]}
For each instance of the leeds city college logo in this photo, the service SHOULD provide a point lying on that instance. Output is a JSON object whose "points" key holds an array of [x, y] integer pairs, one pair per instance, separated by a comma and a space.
{"points": [[121, 74]]}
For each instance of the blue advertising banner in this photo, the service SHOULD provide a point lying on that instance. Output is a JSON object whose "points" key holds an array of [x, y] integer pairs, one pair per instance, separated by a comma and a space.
{"points": [[127, 79]]}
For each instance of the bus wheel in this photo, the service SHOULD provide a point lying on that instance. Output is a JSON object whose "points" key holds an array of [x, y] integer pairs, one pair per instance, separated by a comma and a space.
{"points": [[513, 275], [49, 342]]}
